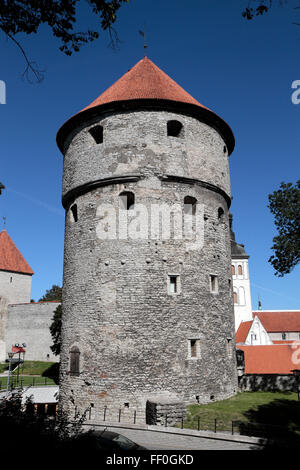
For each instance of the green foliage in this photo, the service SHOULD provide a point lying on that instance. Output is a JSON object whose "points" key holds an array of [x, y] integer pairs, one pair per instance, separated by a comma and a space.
{"points": [[21, 428], [55, 330], [52, 294], [26, 16], [285, 206]]}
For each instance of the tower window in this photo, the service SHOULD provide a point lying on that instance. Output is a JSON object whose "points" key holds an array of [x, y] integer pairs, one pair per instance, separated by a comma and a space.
{"points": [[173, 284], [214, 284], [190, 205], [194, 348], [220, 214], [97, 134], [240, 270], [229, 347], [74, 212], [233, 269], [10, 280], [74, 360], [224, 149], [235, 298], [175, 129], [127, 200]]}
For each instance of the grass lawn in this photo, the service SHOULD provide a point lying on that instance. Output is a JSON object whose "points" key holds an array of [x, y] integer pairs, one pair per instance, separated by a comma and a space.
{"points": [[271, 408], [33, 373]]}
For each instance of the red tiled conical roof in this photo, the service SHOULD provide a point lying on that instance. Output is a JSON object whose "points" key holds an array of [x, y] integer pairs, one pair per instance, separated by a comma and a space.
{"points": [[147, 85], [10, 257], [144, 81]]}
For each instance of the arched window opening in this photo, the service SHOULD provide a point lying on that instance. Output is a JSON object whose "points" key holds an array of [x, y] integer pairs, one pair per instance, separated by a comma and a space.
{"points": [[233, 269], [127, 199], [190, 205], [240, 270], [97, 134], [74, 212], [235, 298], [74, 360], [220, 214], [175, 129]]}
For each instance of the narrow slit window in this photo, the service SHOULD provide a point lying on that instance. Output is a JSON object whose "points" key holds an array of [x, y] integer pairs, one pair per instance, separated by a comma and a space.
{"points": [[240, 270], [235, 298], [74, 212], [229, 347], [97, 134], [173, 284], [214, 284], [74, 361], [127, 199], [194, 348], [233, 270], [174, 129], [220, 214]]}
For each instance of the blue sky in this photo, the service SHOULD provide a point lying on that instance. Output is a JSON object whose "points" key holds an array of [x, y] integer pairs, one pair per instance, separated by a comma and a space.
{"points": [[243, 70]]}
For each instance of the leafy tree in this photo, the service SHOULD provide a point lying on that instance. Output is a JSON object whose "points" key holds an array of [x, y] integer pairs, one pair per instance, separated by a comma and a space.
{"points": [[285, 206], [26, 16], [260, 7], [52, 294], [55, 330]]}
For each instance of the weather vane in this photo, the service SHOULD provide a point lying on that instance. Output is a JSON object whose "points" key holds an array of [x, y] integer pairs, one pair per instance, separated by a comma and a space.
{"points": [[143, 34]]}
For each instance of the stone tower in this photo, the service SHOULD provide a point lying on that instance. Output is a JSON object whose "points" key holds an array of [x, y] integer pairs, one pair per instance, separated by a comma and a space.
{"points": [[15, 282], [147, 311]]}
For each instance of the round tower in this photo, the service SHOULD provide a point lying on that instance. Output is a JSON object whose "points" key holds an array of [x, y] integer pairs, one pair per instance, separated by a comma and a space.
{"points": [[147, 297]]}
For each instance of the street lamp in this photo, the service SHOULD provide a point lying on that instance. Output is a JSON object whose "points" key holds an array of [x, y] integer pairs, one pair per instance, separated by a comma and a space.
{"points": [[10, 356], [296, 374]]}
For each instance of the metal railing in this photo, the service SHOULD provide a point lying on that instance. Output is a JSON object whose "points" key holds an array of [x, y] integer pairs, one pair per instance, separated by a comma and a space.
{"points": [[24, 382]]}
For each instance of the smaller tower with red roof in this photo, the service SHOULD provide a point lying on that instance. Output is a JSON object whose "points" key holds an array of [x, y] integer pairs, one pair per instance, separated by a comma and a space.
{"points": [[15, 273]]}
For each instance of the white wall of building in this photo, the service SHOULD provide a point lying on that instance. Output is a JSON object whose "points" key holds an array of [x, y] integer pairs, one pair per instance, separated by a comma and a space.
{"points": [[241, 287]]}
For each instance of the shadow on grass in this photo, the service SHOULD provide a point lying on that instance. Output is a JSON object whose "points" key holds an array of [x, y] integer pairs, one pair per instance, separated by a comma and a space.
{"points": [[52, 372], [277, 423]]}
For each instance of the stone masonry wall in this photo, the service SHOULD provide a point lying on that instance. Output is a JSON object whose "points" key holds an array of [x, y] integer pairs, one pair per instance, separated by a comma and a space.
{"points": [[29, 323], [132, 334]]}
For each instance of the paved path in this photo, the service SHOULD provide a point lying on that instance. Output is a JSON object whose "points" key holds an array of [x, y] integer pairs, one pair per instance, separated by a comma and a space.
{"points": [[154, 440]]}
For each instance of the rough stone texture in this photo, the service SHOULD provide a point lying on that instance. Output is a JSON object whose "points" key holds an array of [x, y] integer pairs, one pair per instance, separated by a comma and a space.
{"points": [[29, 323], [137, 142], [164, 411], [133, 336], [268, 383]]}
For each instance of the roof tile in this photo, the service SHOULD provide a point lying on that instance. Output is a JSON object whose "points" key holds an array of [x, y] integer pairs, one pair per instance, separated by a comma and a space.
{"points": [[10, 257]]}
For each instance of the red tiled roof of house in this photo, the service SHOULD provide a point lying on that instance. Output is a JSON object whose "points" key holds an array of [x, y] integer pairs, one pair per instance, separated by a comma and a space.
{"points": [[278, 321], [144, 81], [271, 359], [242, 331], [10, 257]]}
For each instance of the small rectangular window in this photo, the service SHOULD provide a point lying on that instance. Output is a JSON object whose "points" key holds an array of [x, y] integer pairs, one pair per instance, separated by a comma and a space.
{"points": [[229, 347], [214, 284], [194, 348], [173, 284]]}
